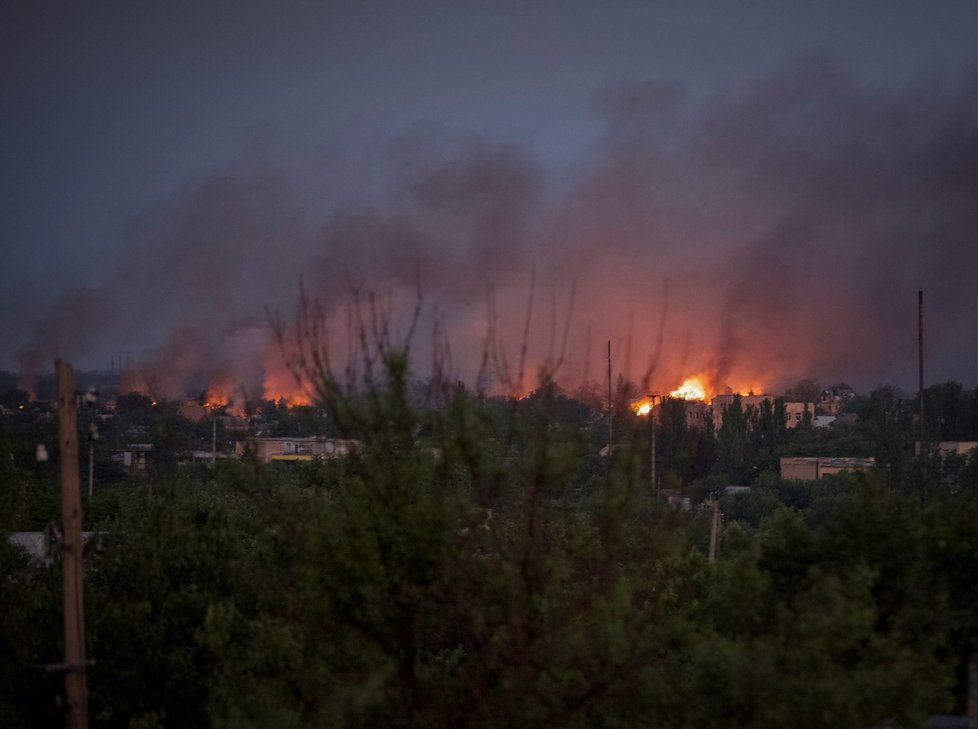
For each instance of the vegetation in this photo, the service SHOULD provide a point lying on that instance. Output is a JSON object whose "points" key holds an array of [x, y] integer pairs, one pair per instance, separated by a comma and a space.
{"points": [[478, 563]]}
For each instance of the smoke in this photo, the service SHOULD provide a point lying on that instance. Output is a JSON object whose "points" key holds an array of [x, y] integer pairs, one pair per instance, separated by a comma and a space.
{"points": [[794, 220]]}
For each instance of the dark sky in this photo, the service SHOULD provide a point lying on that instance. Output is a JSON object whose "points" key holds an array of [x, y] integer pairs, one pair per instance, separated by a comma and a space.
{"points": [[796, 171]]}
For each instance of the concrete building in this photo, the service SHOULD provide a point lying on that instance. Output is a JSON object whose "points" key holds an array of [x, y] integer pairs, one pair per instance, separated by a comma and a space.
{"points": [[719, 403], [794, 411], [806, 468], [698, 414], [266, 450], [134, 458], [957, 447]]}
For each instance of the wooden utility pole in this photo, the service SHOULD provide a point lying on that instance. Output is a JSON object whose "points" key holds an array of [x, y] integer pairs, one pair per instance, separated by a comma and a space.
{"points": [[714, 528], [611, 433], [91, 467], [920, 366], [76, 692], [653, 397], [972, 699]]}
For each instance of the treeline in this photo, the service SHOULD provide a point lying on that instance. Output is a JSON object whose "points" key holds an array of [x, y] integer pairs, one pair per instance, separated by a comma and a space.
{"points": [[478, 563]]}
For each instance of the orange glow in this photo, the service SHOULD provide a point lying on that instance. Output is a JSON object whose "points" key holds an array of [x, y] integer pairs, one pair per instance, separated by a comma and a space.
{"points": [[703, 387], [282, 385], [693, 388], [215, 398], [643, 406]]}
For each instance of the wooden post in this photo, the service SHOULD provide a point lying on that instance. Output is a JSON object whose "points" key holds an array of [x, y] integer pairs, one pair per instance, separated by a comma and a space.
{"points": [[714, 528], [91, 468], [972, 699], [920, 366], [76, 692], [655, 485], [611, 438]]}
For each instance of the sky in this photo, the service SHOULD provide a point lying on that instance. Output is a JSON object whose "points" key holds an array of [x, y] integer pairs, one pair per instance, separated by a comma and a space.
{"points": [[755, 191]]}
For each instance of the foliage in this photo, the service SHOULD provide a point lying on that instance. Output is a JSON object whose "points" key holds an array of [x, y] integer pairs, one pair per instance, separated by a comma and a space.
{"points": [[476, 562]]}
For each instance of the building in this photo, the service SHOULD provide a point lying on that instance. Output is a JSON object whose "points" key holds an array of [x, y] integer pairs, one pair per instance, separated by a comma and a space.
{"points": [[269, 449], [957, 447], [833, 400], [698, 414], [134, 458], [719, 403], [950, 447], [806, 468], [794, 411]]}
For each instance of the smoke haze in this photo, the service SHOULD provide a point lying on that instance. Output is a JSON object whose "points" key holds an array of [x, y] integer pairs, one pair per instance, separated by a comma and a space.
{"points": [[786, 225]]}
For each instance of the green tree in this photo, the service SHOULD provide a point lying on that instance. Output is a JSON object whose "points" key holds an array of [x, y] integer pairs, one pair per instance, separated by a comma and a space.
{"points": [[734, 443]]}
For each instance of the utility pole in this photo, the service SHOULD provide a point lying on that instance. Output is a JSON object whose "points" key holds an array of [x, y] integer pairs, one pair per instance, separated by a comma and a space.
{"points": [[93, 435], [611, 440], [714, 528], [652, 459], [91, 467], [76, 690], [920, 365]]}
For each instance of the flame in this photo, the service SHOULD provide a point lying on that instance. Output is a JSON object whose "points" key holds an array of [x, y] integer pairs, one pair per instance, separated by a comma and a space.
{"points": [[216, 398], [703, 387], [643, 406], [281, 385], [693, 388]]}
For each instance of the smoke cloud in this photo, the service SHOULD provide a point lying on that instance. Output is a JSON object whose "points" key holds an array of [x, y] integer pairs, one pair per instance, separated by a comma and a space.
{"points": [[778, 231]]}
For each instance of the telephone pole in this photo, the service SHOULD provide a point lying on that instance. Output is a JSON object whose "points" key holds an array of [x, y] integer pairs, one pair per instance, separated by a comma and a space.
{"points": [[76, 690], [611, 432], [714, 527], [920, 366], [655, 487]]}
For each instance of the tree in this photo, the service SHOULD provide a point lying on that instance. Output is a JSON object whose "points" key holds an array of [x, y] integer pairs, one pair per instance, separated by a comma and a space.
{"points": [[734, 443]]}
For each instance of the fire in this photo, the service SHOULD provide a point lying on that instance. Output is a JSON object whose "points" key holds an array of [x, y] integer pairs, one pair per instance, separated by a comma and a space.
{"points": [[642, 407], [282, 385], [216, 398], [703, 387], [693, 388]]}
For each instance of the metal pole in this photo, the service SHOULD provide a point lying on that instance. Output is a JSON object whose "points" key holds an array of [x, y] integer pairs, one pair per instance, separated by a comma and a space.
{"points": [[920, 364], [610, 418], [655, 485], [714, 528], [91, 467], [76, 691]]}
